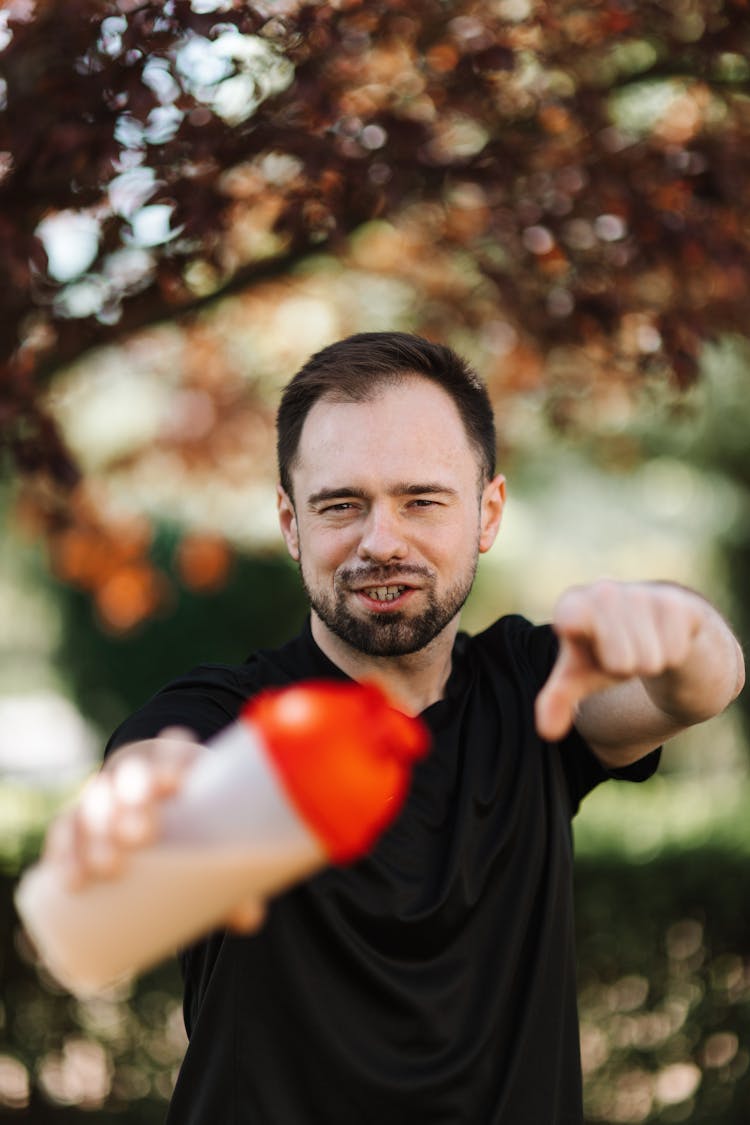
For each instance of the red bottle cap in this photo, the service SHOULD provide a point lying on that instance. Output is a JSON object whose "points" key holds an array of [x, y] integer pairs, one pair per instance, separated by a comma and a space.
{"points": [[344, 755]]}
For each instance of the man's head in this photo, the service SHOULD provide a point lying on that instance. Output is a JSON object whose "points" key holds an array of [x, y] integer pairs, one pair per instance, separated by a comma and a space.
{"points": [[355, 369], [387, 496]]}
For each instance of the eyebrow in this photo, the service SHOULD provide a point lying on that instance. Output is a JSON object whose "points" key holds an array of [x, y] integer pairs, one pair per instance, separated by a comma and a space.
{"points": [[401, 488]]}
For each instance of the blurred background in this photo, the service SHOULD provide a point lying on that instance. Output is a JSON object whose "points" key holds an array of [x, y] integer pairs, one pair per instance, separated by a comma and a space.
{"points": [[195, 195]]}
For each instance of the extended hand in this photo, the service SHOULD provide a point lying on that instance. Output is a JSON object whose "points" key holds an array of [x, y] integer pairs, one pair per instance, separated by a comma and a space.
{"points": [[611, 632], [119, 811]]}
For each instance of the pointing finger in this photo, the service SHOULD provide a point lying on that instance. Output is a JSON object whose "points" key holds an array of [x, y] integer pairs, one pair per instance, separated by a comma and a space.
{"points": [[575, 675], [555, 704]]}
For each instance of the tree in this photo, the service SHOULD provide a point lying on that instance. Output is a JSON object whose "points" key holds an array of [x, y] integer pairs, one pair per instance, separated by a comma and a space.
{"points": [[556, 183]]}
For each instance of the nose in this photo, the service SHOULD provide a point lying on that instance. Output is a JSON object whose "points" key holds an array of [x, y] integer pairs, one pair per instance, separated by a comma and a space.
{"points": [[382, 538]]}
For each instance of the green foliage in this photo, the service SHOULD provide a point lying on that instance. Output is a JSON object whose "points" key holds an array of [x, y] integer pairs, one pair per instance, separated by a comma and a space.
{"points": [[664, 988], [675, 813], [260, 605]]}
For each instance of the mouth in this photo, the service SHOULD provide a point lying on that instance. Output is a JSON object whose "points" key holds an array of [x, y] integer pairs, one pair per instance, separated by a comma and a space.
{"points": [[383, 593], [384, 597]]}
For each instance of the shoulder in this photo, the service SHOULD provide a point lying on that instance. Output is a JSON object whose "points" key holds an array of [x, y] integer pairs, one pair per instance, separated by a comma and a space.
{"points": [[205, 699], [518, 645], [209, 696]]}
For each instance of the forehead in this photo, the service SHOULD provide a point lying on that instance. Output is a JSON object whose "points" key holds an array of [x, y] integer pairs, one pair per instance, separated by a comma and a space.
{"points": [[408, 430]]}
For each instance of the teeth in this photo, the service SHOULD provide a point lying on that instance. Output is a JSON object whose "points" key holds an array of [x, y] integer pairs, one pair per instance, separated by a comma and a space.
{"points": [[384, 593]]}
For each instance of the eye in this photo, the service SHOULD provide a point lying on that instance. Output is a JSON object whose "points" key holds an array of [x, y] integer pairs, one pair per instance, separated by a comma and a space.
{"points": [[343, 506], [421, 502]]}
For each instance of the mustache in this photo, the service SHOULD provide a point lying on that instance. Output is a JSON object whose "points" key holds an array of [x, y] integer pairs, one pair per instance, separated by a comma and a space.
{"points": [[382, 575]]}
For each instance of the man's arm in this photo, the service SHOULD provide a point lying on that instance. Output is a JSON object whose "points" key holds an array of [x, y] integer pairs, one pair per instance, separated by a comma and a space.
{"points": [[638, 662]]}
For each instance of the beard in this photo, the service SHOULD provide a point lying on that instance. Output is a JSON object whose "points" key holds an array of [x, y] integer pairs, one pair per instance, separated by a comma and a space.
{"points": [[392, 634]]}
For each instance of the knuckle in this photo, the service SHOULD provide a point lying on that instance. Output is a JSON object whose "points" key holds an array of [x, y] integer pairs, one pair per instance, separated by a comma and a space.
{"points": [[607, 593], [569, 605], [651, 665], [131, 781], [96, 805], [622, 665]]}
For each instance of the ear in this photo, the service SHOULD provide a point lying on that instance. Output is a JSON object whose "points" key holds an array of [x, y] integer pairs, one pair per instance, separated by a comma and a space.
{"points": [[491, 512], [288, 522]]}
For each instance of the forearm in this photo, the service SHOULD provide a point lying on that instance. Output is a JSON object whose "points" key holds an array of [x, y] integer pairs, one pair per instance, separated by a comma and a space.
{"points": [[710, 678], [621, 723]]}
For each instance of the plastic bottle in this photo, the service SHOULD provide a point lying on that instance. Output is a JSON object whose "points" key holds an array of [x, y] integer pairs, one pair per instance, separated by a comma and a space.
{"points": [[308, 775]]}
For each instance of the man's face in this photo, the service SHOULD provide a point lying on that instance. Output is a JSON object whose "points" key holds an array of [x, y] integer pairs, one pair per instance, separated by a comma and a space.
{"points": [[388, 516]]}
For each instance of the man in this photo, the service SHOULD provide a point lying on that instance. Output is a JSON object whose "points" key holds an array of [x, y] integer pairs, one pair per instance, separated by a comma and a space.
{"points": [[434, 980]]}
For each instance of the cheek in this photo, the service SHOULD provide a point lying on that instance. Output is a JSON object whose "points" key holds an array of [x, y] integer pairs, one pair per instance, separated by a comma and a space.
{"points": [[454, 541], [323, 552]]}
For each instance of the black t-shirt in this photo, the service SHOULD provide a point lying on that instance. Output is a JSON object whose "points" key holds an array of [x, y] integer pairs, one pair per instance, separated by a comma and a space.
{"points": [[432, 982]]}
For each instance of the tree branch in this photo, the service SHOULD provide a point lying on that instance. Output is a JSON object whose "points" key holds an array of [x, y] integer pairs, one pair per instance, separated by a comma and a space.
{"points": [[145, 311]]}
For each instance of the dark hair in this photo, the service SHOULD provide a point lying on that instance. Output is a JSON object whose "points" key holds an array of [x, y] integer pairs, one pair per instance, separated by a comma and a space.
{"points": [[353, 369]]}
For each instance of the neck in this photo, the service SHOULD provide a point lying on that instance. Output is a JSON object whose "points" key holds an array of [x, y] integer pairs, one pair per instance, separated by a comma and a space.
{"points": [[413, 681]]}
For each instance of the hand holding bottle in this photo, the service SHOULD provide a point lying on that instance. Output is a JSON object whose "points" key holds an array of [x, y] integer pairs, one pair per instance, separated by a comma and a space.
{"points": [[173, 839]]}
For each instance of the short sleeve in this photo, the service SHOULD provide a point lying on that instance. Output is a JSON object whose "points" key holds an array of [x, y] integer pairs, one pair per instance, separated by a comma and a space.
{"points": [[537, 646], [205, 701]]}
